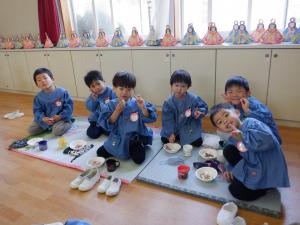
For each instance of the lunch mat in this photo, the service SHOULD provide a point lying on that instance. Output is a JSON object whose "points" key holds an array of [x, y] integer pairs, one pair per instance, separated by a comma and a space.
{"points": [[161, 171], [127, 170]]}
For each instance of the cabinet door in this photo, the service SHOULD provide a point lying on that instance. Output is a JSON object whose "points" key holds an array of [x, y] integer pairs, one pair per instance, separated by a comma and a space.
{"points": [[35, 60], [19, 71], [253, 64], [5, 75], [284, 92], [61, 66], [114, 61], [83, 62], [201, 65], [152, 70]]}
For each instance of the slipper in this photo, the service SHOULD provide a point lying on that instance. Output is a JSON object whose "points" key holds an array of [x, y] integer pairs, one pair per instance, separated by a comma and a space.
{"points": [[227, 214], [90, 180], [239, 221], [105, 184], [13, 115], [78, 180], [114, 187]]}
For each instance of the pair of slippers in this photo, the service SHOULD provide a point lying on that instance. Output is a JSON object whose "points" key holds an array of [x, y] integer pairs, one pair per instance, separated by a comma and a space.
{"points": [[227, 215]]}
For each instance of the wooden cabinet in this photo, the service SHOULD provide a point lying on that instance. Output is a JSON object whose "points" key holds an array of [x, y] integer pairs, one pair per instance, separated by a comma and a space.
{"points": [[19, 71], [284, 84], [107, 61], [5, 75], [152, 71], [60, 64], [201, 65], [253, 64]]}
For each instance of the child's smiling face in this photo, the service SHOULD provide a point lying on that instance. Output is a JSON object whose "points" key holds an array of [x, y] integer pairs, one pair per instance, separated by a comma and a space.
{"points": [[97, 87], [226, 118], [235, 93]]}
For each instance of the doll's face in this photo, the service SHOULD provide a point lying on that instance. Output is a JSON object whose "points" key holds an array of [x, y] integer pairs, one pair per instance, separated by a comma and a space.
{"points": [[272, 26], [242, 27], [190, 29], [292, 25], [260, 26]]}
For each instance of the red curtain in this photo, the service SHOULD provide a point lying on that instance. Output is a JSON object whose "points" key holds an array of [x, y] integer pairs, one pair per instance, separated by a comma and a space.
{"points": [[48, 20]]}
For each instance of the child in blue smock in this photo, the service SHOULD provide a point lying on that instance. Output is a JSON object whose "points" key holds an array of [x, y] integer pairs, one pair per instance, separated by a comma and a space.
{"points": [[237, 93], [182, 112], [100, 93], [52, 106], [126, 116], [257, 160]]}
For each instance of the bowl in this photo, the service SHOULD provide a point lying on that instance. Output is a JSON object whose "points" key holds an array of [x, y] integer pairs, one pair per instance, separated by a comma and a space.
{"points": [[34, 141], [172, 147], [208, 153], [77, 144], [206, 174], [95, 162]]}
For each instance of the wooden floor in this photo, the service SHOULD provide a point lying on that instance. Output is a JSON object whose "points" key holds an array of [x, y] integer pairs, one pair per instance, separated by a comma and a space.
{"points": [[34, 191]]}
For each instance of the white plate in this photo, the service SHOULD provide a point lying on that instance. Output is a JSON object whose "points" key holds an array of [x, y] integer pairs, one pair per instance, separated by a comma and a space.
{"points": [[208, 153], [206, 174], [77, 144], [172, 147], [34, 141], [95, 162]]}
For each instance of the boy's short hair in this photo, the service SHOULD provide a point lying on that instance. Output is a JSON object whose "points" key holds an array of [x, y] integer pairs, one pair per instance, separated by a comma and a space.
{"points": [[217, 108], [40, 71], [179, 76], [237, 81], [92, 76], [124, 79]]}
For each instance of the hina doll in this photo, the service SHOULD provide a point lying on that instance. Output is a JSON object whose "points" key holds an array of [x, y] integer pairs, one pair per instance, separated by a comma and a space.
{"points": [[87, 40], [135, 39], [212, 37], [48, 42], [243, 36], [152, 39], [118, 39], [38, 43], [191, 37], [257, 34], [2, 44], [290, 31], [272, 35], [234, 33], [27, 42], [74, 41], [18, 43], [9, 44], [168, 39], [102, 40], [62, 42]]}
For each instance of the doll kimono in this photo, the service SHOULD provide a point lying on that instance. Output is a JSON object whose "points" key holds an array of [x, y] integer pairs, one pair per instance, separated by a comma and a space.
{"points": [[191, 37], [290, 31], [168, 39], [135, 39], [102, 40], [272, 35], [118, 39], [212, 37], [257, 34]]}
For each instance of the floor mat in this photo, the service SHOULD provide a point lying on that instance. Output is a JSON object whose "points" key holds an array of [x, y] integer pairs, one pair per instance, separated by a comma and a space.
{"points": [[161, 171], [128, 170]]}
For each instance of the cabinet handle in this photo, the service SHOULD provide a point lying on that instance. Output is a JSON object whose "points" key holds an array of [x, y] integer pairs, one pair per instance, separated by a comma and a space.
{"points": [[267, 55], [97, 55], [275, 55], [167, 55], [173, 55], [101, 55]]}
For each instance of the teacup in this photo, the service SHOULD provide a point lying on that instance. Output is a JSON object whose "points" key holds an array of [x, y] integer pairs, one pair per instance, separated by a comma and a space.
{"points": [[112, 164], [187, 150], [43, 145]]}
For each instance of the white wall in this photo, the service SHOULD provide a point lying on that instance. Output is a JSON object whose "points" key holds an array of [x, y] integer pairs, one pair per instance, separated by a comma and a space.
{"points": [[18, 17]]}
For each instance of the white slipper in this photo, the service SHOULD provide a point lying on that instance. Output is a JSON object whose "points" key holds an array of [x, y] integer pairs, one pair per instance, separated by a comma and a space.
{"points": [[105, 184], [239, 221], [78, 180], [227, 214], [90, 180], [114, 187], [13, 115]]}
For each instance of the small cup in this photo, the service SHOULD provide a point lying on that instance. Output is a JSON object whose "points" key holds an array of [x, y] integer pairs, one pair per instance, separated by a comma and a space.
{"points": [[43, 145], [112, 164], [187, 150], [183, 171]]}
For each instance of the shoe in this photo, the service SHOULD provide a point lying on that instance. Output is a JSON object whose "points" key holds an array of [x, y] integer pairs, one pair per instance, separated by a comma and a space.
{"points": [[227, 214], [239, 221], [114, 187], [13, 115], [78, 180], [90, 180], [105, 184]]}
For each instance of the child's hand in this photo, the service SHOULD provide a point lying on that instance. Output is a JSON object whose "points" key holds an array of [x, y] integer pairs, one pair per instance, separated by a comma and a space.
{"points": [[228, 176], [121, 105], [171, 138], [236, 133], [198, 114], [48, 120], [245, 105], [140, 101], [56, 118], [226, 98], [94, 95]]}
